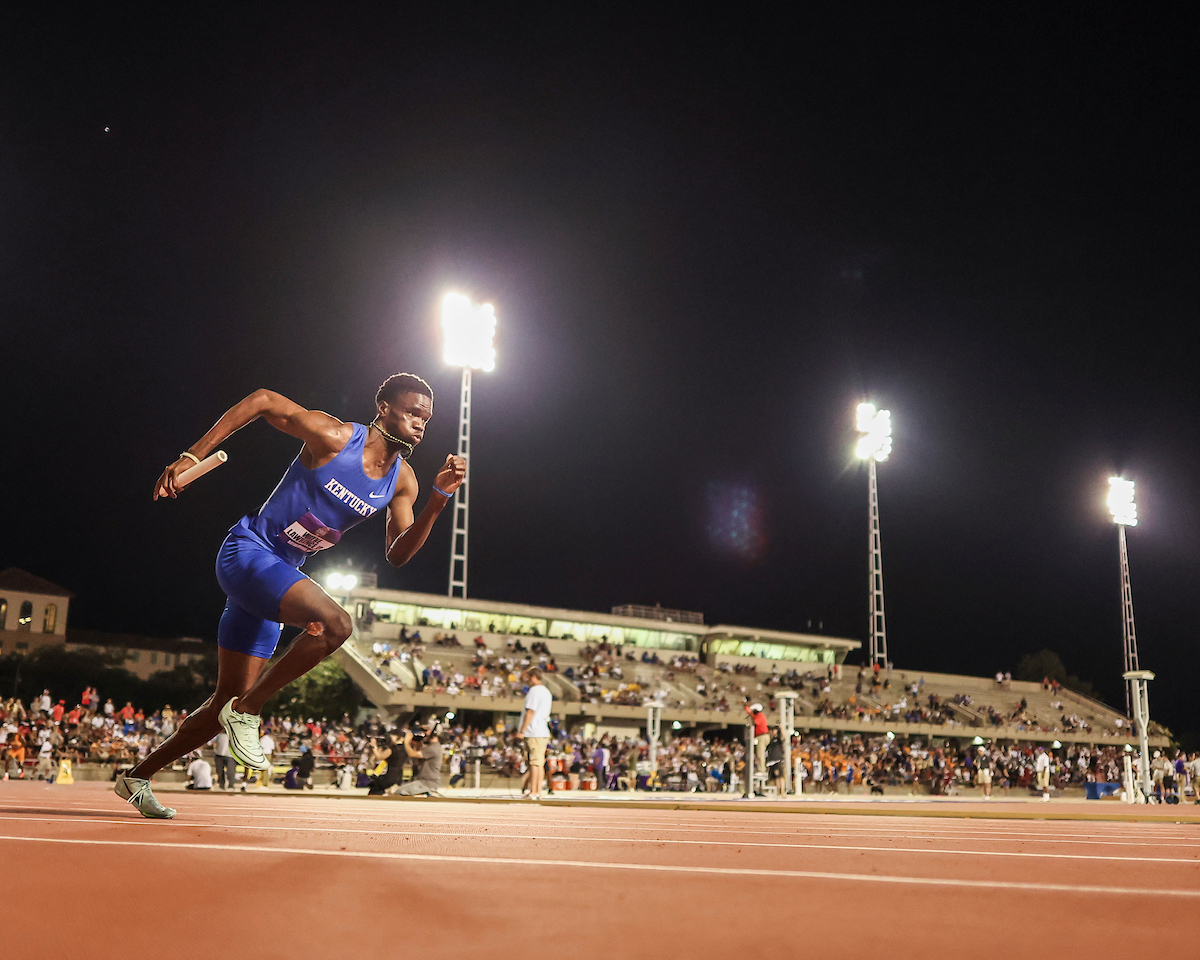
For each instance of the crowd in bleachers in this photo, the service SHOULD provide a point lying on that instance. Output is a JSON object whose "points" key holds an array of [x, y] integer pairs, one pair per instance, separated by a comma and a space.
{"points": [[605, 673], [34, 737]]}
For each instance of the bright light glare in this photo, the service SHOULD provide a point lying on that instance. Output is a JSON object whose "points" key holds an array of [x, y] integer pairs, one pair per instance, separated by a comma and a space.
{"points": [[341, 581], [449, 714], [349, 581], [676, 725], [467, 333], [1120, 501], [876, 429]]}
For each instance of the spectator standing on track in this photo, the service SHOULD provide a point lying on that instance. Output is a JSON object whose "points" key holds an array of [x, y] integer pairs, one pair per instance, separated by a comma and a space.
{"points": [[983, 774], [534, 731], [631, 762], [226, 765], [45, 766], [1041, 766], [774, 768], [267, 743]]}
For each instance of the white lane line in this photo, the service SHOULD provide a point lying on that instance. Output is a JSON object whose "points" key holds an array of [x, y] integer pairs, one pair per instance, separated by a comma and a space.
{"points": [[463, 835], [643, 867], [871, 825], [923, 835], [717, 818], [912, 831]]}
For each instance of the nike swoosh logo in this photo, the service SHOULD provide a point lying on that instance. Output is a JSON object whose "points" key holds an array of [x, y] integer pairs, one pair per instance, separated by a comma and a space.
{"points": [[377, 496]]}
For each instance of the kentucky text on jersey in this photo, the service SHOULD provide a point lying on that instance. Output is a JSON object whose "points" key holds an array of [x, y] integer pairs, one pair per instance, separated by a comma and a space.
{"points": [[349, 499]]}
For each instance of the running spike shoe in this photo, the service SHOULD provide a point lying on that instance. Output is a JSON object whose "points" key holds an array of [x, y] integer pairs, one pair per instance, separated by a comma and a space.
{"points": [[139, 792], [242, 729]]}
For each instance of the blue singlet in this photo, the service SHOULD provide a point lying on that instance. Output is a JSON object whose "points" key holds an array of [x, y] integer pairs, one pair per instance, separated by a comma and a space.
{"points": [[307, 512]]}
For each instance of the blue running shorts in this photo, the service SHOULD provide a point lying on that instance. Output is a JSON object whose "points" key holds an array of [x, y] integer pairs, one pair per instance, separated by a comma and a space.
{"points": [[255, 580]]}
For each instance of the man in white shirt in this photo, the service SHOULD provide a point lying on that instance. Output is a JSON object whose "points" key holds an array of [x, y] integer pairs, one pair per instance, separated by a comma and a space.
{"points": [[201, 773], [534, 730], [267, 742], [1041, 766], [226, 765]]}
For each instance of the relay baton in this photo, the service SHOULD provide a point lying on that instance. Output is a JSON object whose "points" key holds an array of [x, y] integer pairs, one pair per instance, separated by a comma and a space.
{"points": [[211, 462]]}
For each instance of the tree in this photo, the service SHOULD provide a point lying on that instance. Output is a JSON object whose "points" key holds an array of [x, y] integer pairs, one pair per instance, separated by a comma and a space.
{"points": [[1046, 663], [325, 691]]}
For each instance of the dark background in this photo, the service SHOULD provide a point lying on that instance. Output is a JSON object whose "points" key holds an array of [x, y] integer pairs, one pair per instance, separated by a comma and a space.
{"points": [[707, 239]]}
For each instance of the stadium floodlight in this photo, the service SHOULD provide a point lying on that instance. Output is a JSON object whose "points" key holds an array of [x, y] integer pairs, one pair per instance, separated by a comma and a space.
{"points": [[1056, 745], [467, 333], [1123, 507], [890, 735], [468, 330], [449, 714], [341, 581], [875, 446], [978, 741], [1121, 503], [876, 429], [676, 725]]}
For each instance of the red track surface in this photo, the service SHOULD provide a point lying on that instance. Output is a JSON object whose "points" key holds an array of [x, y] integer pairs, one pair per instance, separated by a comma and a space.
{"points": [[266, 877]]}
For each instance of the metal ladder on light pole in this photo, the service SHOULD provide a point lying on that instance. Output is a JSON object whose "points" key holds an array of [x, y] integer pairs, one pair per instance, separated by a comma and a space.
{"points": [[458, 542], [878, 632], [1128, 634]]}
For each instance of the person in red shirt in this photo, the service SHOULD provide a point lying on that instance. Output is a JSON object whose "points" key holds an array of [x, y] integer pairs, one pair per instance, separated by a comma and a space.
{"points": [[126, 712], [56, 713], [762, 736]]}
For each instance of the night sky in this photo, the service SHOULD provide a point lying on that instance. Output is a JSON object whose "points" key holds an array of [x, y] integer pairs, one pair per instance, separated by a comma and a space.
{"points": [[706, 239]]}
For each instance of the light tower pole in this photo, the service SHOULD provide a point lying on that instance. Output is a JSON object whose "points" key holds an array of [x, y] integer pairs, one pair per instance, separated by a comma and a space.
{"points": [[1123, 507], [467, 333], [875, 445]]}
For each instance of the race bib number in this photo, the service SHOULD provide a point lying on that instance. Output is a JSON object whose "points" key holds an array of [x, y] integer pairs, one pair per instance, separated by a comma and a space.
{"points": [[310, 535]]}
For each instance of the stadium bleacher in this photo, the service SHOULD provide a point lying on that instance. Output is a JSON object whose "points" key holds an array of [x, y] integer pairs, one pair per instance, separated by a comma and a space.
{"points": [[481, 671]]}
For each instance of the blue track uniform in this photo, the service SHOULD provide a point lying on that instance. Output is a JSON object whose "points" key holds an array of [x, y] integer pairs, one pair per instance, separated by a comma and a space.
{"points": [[307, 512]]}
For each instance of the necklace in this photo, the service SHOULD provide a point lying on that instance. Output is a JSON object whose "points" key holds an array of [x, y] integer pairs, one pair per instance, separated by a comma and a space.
{"points": [[396, 440]]}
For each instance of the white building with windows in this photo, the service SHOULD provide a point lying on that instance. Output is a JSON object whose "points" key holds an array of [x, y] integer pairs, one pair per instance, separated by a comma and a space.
{"points": [[33, 612]]}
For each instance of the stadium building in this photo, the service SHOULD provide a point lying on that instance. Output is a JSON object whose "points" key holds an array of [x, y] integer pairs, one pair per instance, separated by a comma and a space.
{"points": [[417, 653]]}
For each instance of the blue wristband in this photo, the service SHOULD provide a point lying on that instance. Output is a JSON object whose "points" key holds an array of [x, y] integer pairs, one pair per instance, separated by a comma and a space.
{"points": [[437, 489]]}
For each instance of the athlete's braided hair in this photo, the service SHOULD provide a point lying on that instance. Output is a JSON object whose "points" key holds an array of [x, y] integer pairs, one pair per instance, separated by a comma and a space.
{"points": [[399, 383]]}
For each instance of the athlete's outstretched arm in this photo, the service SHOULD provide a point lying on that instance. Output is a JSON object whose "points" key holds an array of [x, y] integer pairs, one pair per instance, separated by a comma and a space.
{"points": [[323, 435], [406, 535]]}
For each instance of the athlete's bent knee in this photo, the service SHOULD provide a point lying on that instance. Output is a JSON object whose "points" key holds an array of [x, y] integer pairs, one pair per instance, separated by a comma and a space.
{"points": [[337, 630]]}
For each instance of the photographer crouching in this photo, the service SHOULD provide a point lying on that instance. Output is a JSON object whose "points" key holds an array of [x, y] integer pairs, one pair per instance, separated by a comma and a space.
{"points": [[423, 746]]}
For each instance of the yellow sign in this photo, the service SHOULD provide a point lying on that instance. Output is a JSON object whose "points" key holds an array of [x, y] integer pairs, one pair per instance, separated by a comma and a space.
{"points": [[64, 772]]}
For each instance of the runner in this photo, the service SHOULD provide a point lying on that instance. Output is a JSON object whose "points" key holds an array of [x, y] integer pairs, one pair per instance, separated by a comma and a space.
{"points": [[342, 475]]}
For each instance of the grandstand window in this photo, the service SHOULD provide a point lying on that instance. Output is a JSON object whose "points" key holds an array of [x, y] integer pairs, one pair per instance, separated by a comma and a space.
{"points": [[566, 630], [527, 626], [3, 614], [25, 618], [135, 656], [472, 621], [154, 658], [49, 618]]}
